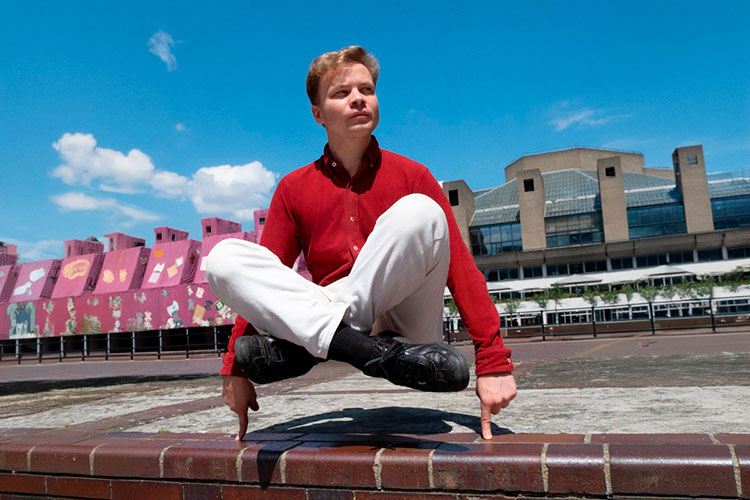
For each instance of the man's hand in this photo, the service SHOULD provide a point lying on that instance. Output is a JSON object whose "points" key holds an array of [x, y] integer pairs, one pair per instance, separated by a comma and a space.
{"points": [[495, 391], [239, 395]]}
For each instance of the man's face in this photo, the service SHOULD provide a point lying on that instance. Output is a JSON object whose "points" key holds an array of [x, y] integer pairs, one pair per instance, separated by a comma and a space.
{"points": [[347, 105]]}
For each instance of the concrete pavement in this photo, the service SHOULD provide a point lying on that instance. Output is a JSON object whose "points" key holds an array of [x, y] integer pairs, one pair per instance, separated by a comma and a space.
{"points": [[650, 384]]}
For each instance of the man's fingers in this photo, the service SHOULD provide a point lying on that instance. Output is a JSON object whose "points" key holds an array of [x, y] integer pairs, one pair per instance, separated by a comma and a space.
{"points": [[253, 399], [495, 409], [486, 419], [243, 424]]}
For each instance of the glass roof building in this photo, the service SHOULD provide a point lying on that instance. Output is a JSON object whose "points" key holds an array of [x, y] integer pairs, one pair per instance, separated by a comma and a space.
{"points": [[587, 210]]}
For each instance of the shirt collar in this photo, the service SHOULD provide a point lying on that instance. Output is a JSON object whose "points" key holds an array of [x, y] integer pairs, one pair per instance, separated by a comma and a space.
{"points": [[370, 160]]}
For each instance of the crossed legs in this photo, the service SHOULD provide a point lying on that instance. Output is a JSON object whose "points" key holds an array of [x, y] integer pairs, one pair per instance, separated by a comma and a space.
{"points": [[396, 283]]}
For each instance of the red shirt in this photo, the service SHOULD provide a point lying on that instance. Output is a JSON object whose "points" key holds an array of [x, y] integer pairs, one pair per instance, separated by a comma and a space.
{"points": [[322, 211]]}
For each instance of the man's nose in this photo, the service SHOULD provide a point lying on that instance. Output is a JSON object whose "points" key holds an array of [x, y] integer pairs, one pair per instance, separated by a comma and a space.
{"points": [[357, 97]]}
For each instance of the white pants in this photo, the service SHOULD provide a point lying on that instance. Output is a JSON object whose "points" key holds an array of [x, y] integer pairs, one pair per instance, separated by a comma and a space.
{"points": [[396, 283]]}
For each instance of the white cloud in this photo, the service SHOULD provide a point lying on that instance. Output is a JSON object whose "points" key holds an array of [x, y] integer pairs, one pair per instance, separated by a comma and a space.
{"points": [[226, 189], [84, 162], [234, 190], [563, 117], [180, 127], [127, 215], [29, 251], [161, 44]]}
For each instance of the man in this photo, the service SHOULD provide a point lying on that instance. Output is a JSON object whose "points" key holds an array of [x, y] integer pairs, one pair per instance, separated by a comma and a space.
{"points": [[381, 243]]}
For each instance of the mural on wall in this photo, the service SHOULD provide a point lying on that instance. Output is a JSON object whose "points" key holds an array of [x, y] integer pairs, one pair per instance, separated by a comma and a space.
{"points": [[49, 327], [71, 324], [22, 316]]}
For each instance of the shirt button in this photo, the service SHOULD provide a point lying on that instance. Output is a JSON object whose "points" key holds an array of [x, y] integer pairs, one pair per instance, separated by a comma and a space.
{"points": [[351, 219], [356, 248], [333, 164]]}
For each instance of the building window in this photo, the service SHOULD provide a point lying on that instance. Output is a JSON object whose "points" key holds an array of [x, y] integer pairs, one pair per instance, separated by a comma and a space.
{"points": [[681, 257], [557, 269], [656, 220], [692, 159], [729, 213], [174, 236], [594, 266], [453, 197], [709, 255], [208, 229], [501, 274], [609, 171], [532, 272], [158, 236], [653, 260], [528, 185], [574, 230], [738, 252], [262, 221], [495, 239], [618, 263]]}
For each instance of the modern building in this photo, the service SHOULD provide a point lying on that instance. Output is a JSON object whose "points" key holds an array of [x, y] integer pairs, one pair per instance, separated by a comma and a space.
{"points": [[585, 211]]}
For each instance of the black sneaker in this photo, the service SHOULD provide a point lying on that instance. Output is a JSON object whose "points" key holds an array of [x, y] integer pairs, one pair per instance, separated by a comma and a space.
{"points": [[265, 359], [433, 367]]}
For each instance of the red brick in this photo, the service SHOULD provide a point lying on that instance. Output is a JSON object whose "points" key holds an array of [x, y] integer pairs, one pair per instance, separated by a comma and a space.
{"points": [[402, 495], [260, 493], [141, 490], [676, 470], [14, 456], [137, 459], [22, 483], [78, 487], [329, 494], [576, 468], [733, 438], [405, 468], [743, 457], [61, 459], [194, 491], [492, 497], [203, 460], [483, 467], [537, 438], [331, 464], [651, 439], [336, 438], [252, 437], [260, 462]]}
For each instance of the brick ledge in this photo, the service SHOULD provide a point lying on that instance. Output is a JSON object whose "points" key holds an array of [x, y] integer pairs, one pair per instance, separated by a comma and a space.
{"points": [[59, 463]]}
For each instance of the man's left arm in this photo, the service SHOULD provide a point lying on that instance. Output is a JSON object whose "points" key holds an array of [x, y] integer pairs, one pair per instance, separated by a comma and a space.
{"points": [[496, 386]]}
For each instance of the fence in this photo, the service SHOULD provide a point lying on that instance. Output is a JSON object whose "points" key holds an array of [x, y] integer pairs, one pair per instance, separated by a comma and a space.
{"points": [[707, 314], [129, 345]]}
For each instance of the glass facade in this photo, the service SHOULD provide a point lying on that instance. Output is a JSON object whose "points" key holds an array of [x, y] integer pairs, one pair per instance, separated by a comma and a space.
{"points": [[574, 229], [731, 212], [495, 239], [656, 220], [501, 274]]}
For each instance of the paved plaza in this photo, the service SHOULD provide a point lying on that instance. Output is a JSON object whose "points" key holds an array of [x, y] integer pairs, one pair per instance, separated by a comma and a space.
{"points": [[646, 384]]}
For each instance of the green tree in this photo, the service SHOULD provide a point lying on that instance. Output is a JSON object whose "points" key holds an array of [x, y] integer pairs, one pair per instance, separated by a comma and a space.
{"points": [[510, 306], [611, 297], [541, 300], [628, 291], [649, 293], [591, 296], [450, 304]]}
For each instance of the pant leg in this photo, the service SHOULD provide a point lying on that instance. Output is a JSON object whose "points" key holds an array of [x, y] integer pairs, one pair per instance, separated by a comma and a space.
{"points": [[252, 281], [399, 278]]}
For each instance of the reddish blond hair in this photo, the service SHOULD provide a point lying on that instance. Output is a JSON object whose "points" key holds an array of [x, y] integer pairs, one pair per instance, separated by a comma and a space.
{"points": [[329, 61]]}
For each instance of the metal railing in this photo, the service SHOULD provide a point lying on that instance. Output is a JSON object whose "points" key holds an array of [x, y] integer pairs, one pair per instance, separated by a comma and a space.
{"points": [[707, 314], [122, 345]]}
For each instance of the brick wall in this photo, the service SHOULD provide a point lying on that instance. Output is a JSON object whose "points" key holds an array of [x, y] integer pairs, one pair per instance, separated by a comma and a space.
{"points": [[60, 464]]}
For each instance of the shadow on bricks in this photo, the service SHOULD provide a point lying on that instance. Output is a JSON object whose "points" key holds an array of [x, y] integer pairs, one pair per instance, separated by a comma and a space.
{"points": [[389, 419]]}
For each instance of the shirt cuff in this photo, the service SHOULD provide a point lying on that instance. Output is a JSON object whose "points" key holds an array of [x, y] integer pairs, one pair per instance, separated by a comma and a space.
{"points": [[492, 359]]}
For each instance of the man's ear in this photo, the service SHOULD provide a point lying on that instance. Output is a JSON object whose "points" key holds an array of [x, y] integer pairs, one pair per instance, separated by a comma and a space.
{"points": [[316, 114]]}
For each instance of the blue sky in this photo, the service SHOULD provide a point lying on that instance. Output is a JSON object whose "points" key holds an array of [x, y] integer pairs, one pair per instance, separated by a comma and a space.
{"points": [[125, 116]]}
